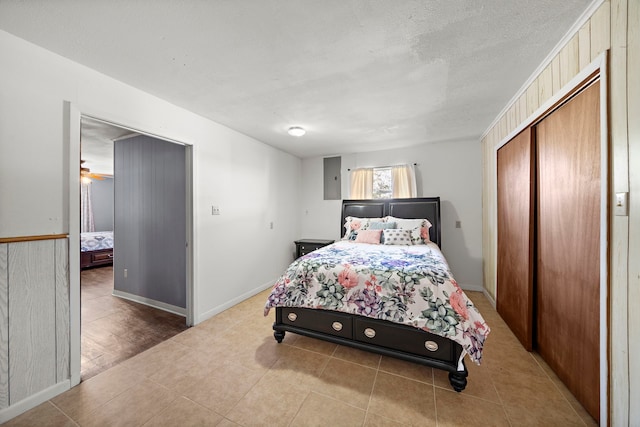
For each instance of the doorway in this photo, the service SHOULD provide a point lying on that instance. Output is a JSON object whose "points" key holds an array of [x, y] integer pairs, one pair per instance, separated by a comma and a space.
{"points": [[120, 320]]}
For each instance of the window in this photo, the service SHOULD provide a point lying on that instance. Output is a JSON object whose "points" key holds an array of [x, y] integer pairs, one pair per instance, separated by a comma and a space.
{"points": [[382, 183]]}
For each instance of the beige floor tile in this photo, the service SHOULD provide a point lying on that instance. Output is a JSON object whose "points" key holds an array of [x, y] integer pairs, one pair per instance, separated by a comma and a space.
{"points": [[218, 324], [347, 382], [238, 340], [313, 344], [410, 370], [222, 388], [299, 367], [186, 371], [582, 413], [403, 400], [268, 404], [457, 409], [134, 407], [184, 412], [555, 413], [479, 382], [366, 358], [197, 338], [518, 389], [226, 423], [230, 365], [513, 358], [91, 394], [261, 358], [373, 420], [157, 358], [36, 416], [323, 411]]}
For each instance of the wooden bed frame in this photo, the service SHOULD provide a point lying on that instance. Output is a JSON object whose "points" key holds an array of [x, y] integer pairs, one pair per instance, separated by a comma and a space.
{"points": [[379, 336], [98, 258]]}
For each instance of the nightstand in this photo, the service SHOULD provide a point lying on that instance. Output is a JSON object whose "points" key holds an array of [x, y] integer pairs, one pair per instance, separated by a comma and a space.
{"points": [[304, 246]]}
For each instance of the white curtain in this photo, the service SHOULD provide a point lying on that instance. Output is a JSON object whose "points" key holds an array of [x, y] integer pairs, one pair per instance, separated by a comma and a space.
{"points": [[362, 183], [86, 210], [404, 181]]}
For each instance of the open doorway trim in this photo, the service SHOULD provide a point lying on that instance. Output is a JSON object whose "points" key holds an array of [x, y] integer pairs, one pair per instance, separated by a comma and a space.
{"points": [[73, 118]]}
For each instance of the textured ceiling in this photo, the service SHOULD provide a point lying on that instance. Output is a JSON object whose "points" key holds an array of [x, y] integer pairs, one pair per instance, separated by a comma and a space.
{"points": [[359, 75]]}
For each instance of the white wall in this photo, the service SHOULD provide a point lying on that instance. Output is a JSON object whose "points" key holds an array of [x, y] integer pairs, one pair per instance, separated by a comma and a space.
{"points": [[236, 253], [451, 170]]}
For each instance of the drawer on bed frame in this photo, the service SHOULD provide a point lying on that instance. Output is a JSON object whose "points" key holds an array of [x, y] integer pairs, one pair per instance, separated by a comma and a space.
{"points": [[96, 258], [403, 338], [328, 322]]}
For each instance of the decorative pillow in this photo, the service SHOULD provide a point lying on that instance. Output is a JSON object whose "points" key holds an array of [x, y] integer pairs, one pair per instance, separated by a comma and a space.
{"points": [[397, 237], [419, 228], [382, 226], [353, 224], [369, 236]]}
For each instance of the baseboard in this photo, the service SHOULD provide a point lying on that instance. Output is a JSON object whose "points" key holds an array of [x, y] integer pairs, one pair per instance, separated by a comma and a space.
{"points": [[34, 400], [151, 303], [472, 288], [219, 309], [490, 298]]}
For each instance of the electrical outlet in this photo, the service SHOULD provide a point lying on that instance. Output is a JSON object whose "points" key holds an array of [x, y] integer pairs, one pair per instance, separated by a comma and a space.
{"points": [[271, 225], [126, 273]]}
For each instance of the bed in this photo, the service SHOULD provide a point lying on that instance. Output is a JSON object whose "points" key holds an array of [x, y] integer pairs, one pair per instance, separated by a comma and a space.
{"points": [[397, 299], [96, 249]]}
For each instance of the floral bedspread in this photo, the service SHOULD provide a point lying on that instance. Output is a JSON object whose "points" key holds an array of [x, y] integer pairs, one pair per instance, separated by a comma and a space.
{"points": [[410, 285], [95, 240]]}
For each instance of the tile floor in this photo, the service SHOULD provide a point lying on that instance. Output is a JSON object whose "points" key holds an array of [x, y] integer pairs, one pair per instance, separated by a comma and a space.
{"points": [[230, 371], [114, 329]]}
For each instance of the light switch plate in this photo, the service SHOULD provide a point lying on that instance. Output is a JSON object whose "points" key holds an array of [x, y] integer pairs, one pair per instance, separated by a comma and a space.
{"points": [[621, 204]]}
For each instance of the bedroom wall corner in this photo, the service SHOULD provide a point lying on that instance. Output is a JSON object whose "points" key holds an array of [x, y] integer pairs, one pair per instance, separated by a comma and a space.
{"points": [[456, 177]]}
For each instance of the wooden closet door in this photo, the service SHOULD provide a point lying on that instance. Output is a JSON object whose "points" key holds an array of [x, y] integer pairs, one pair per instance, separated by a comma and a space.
{"points": [[568, 261], [514, 296]]}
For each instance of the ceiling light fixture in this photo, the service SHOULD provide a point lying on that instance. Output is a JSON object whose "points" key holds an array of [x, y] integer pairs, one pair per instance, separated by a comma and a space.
{"points": [[296, 131]]}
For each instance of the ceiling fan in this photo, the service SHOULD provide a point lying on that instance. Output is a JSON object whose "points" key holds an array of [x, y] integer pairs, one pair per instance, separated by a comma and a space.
{"points": [[86, 176]]}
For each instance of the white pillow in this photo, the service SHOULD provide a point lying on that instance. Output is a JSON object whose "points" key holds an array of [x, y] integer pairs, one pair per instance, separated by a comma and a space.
{"points": [[419, 228], [396, 236]]}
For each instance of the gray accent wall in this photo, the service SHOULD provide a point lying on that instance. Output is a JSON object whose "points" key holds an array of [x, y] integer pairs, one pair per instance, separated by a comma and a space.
{"points": [[150, 219], [102, 203]]}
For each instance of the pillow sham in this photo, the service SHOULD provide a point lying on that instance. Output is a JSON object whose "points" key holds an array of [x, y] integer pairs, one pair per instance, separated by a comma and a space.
{"points": [[393, 236], [419, 228], [369, 236], [382, 226], [353, 224]]}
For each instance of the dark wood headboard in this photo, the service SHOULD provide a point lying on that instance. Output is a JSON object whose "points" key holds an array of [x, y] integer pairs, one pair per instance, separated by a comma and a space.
{"points": [[421, 207]]}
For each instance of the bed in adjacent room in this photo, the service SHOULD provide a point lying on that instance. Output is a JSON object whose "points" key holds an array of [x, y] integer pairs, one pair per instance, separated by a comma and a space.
{"points": [[96, 249], [385, 287]]}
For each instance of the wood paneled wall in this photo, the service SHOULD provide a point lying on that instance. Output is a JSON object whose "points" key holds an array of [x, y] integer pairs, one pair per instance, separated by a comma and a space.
{"points": [[613, 27], [585, 46], [34, 318]]}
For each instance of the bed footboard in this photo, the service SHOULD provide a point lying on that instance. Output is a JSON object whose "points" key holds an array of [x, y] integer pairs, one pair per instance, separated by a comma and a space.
{"points": [[378, 336]]}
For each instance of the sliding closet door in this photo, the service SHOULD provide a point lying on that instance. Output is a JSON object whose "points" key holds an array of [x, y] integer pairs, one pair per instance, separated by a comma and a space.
{"points": [[515, 236], [568, 262]]}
